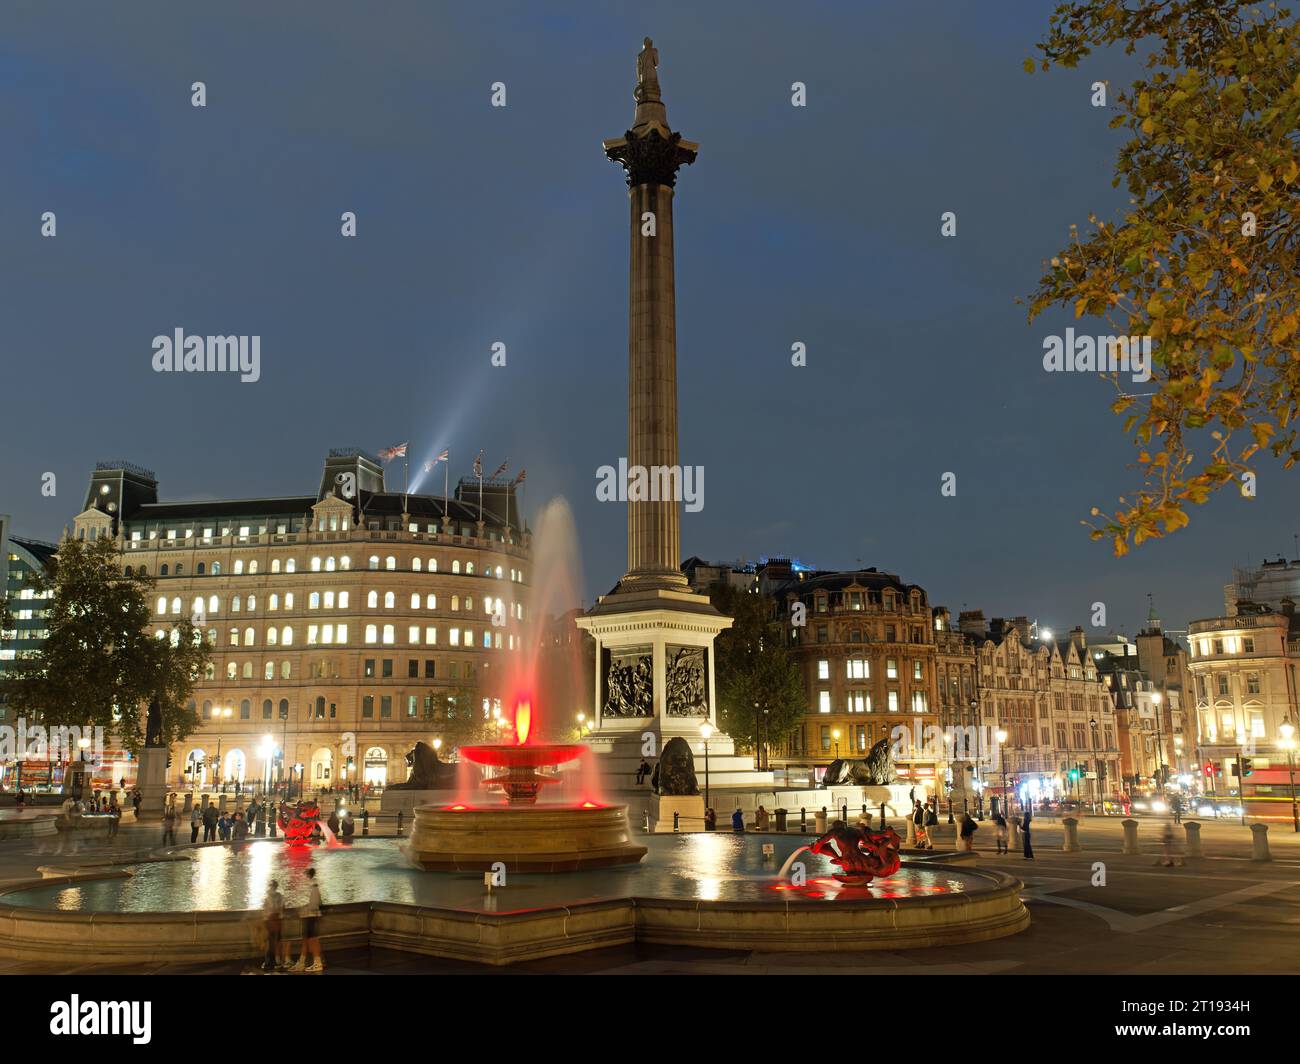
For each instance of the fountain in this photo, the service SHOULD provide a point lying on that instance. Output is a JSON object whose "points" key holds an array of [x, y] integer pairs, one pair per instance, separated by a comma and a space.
{"points": [[521, 833]]}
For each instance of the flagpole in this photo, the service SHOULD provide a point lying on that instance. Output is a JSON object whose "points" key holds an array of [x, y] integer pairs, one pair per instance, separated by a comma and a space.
{"points": [[445, 473], [406, 481]]}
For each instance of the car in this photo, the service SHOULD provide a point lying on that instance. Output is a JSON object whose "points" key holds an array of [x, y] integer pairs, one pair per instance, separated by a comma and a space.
{"points": [[1150, 806], [1216, 807]]}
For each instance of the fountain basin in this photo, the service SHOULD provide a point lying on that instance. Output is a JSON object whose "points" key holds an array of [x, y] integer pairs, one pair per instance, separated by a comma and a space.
{"points": [[524, 838]]}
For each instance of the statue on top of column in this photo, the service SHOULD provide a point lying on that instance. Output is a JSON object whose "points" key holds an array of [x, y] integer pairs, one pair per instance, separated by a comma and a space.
{"points": [[647, 73]]}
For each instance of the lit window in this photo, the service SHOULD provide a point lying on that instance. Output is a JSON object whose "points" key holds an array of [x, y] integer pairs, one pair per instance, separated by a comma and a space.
{"points": [[315, 565], [415, 600], [823, 701], [372, 634], [431, 601], [390, 600], [823, 670], [389, 634]]}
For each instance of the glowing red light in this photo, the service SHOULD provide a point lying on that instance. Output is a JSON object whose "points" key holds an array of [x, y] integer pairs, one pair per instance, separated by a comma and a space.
{"points": [[523, 721], [589, 805], [459, 808]]}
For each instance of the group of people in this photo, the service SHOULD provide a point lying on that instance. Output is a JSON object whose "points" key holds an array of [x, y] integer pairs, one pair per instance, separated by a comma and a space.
{"points": [[924, 816], [966, 832], [276, 955]]}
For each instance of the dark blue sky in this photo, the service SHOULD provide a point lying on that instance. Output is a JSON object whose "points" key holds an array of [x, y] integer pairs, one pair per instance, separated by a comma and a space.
{"points": [[478, 224]]}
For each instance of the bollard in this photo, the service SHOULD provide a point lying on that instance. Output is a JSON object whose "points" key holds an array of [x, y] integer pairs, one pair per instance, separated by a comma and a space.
{"points": [[645, 821], [365, 822], [189, 804], [819, 821], [1130, 836], [864, 810], [1259, 843], [803, 819], [781, 816], [1071, 826], [844, 812], [677, 820], [883, 825], [399, 821], [1193, 830], [1013, 833], [270, 819], [222, 807], [911, 833]]}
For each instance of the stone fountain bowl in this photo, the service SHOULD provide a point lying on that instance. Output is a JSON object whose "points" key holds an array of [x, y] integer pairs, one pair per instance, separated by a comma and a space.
{"points": [[525, 838]]}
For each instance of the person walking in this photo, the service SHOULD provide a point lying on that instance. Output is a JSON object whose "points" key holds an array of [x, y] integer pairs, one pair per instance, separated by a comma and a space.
{"points": [[196, 822], [1001, 822], [310, 914], [273, 922], [1176, 806], [710, 819], [967, 832], [114, 818], [136, 799], [1024, 830], [169, 824], [918, 823], [1169, 847]]}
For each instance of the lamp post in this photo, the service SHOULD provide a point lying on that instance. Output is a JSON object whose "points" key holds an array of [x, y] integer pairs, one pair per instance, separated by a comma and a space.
{"points": [[948, 755], [267, 750], [1096, 776], [582, 724], [298, 769], [979, 791], [1288, 743], [218, 777], [1001, 736], [706, 730], [835, 734], [1160, 745]]}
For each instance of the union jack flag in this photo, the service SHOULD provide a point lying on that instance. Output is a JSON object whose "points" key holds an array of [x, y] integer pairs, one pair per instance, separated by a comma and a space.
{"points": [[396, 451], [520, 479], [428, 466], [501, 469], [478, 465]]}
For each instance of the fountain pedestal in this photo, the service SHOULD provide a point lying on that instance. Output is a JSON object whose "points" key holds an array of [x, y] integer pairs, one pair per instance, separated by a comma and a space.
{"points": [[525, 838]]}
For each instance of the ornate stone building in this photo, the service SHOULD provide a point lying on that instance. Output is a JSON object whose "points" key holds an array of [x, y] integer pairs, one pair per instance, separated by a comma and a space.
{"points": [[346, 624], [866, 645], [1243, 669]]}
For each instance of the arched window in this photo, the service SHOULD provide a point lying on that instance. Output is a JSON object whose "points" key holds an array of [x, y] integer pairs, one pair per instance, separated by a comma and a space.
{"points": [[285, 669], [313, 600], [469, 568], [214, 604], [455, 565], [372, 599], [433, 565], [390, 562], [207, 709], [415, 565], [163, 570], [176, 605], [234, 637], [371, 633], [275, 565], [315, 565], [248, 670], [272, 636], [162, 603], [374, 561], [209, 671], [252, 567], [216, 568], [236, 603], [179, 568], [389, 636], [291, 566], [284, 705], [431, 601], [268, 673], [329, 600], [343, 600], [329, 564], [252, 603], [345, 563], [245, 709], [273, 603], [239, 566], [266, 708], [498, 572], [415, 600], [212, 637], [232, 670], [286, 636], [390, 600], [199, 569], [196, 609], [469, 603], [288, 600], [455, 603]]}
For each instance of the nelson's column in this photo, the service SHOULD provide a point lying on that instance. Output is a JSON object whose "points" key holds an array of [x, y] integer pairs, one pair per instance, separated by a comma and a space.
{"points": [[654, 636]]}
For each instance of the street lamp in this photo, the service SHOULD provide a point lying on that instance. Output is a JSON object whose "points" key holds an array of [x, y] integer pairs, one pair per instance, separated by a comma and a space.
{"points": [[1001, 736], [1288, 743], [266, 750], [835, 734], [218, 777], [1096, 775], [706, 730], [1160, 745], [582, 723], [298, 769], [947, 740]]}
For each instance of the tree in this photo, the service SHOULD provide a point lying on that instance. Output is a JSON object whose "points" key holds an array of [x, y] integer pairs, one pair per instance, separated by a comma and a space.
{"points": [[100, 665], [1205, 259], [459, 718], [755, 674]]}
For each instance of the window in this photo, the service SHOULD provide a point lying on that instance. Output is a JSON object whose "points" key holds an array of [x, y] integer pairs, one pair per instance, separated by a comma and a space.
{"points": [[368, 706], [431, 601], [858, 669], [918, 702], [1222, 680], [1248, 644], [823, 670], [389, 634], [823, 701], [386, 705], [430, 636], [390, 562], [273, 603], [313, 600], [390, 600], [893, 701], [891, 669], [415, 600], [429, 669], [374, 561], [1252, 683], [372, 634], [372, 599], [290, 566], [916, 670]]}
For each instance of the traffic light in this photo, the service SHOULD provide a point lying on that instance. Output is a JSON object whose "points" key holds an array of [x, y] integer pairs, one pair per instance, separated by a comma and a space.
{"points": [[1247, 767], [1074, 773], [1209, 768]]}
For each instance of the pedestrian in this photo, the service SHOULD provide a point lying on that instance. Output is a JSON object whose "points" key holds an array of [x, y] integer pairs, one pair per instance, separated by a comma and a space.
{"points": [[169, 824], [760, 819], [196, 822], [642, 771], [349, 826], [1177, 807], [967, 832], [210, 818], [1169, 847], [931, 820], [310, 914], [1024, 829], [273, 921], [114, 818], [21, 799], [1001, 822], [136, 799], [738, 821], [710, 820], [918, 823], [239, 828], [223, 827]]}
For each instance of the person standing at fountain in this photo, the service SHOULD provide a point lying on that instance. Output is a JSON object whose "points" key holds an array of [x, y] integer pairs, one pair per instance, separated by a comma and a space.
{"points": [[210, 816], [169, 824], [273, 921], [196, 822], [310, 914], [967, 832], [115, 818], [1001, 823], [738, 821], [1024, 828]]}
